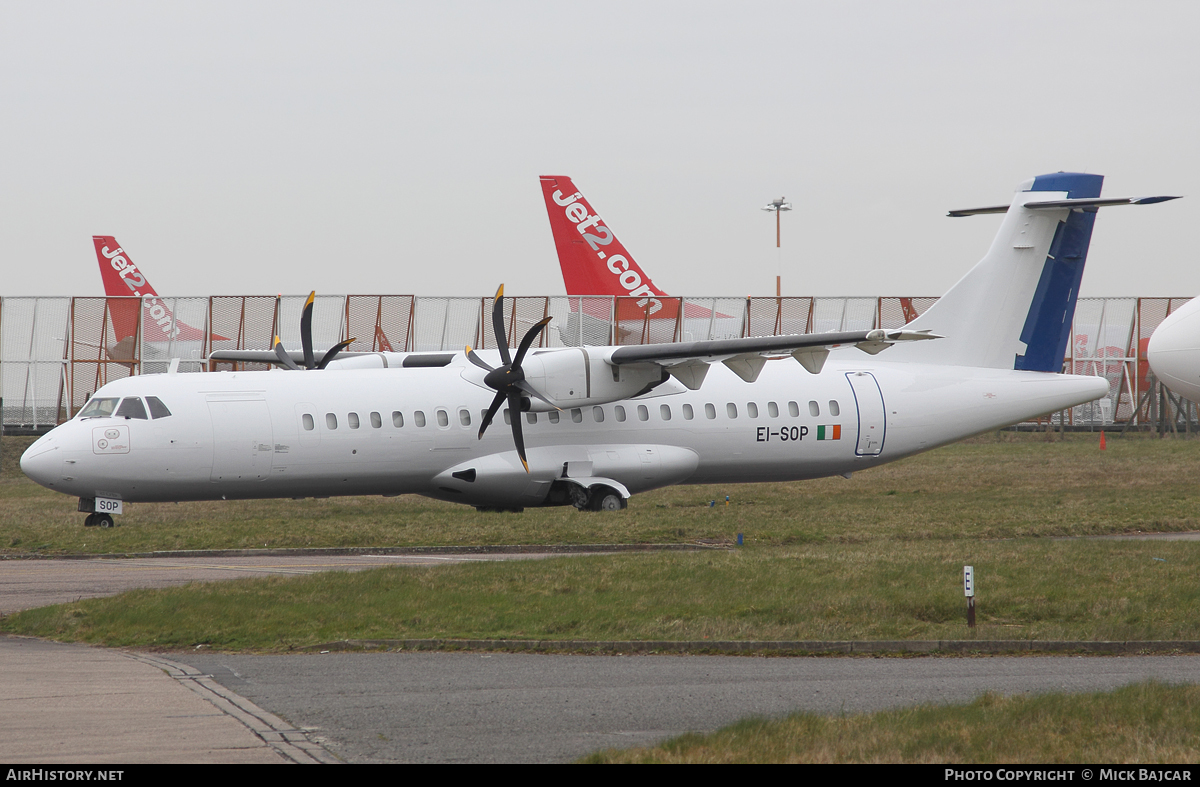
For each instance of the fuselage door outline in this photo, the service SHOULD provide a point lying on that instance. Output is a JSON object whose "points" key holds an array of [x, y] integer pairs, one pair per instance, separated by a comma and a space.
{"points": [[872, 415]]}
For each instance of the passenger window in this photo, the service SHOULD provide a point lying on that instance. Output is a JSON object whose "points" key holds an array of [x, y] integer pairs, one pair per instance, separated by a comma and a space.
{"points": [[98, 408], [793, 409], [132, 407], [731, 410], [710, 412], [687, 412], [772, 409], [352, 419], [157, 408], [376, 421], [443, 418], [309, 424], [834, 408], [397, 419], [331, 420], [531, 418], [507, 417], [419, 417], [464, 417], [643, 413], [576, 415], [554, 416], [620, 411], [752, 409], [664, 412], [814, 409], [598, 414]]}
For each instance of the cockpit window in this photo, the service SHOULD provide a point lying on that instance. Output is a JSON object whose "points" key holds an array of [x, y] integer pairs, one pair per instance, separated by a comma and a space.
{"points": [[99, 408], [157, 408], [132, 407]]}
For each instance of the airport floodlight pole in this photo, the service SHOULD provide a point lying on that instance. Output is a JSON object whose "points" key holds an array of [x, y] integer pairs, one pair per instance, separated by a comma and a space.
{"points": [[776, 206]]}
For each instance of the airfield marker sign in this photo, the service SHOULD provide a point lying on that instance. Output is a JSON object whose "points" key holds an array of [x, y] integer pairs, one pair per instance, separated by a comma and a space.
{"points": [[969, 591]]}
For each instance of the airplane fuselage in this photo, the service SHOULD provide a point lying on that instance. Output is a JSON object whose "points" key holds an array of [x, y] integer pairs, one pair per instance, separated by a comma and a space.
{"points": [[395, 431]]}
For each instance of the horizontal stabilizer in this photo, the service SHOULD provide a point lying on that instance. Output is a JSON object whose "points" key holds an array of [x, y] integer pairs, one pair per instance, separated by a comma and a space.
{"points": [[1062, 204]]}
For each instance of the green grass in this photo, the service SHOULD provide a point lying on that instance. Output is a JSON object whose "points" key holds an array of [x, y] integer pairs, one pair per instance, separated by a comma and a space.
{"points": [[1014, 486], [1147, 722], [1028, 589]]}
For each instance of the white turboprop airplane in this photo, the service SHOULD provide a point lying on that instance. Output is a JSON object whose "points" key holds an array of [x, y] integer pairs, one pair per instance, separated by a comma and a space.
{"points": [[632, 418], [1174, 351]]}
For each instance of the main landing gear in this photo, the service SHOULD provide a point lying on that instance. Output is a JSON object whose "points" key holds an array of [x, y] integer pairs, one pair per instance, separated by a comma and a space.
{"points": [[597, 498]]}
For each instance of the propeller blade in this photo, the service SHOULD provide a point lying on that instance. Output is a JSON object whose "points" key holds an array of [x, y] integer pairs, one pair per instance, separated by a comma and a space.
{"points": [[491, 412], [498, 326], [530, 335], [514, 411], [284, 357], [333, 351], [306, 331], [475, 359]]}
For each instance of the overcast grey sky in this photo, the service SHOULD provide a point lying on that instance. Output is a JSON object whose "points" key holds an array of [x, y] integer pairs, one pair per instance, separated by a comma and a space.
{"points": [[258, 147]]}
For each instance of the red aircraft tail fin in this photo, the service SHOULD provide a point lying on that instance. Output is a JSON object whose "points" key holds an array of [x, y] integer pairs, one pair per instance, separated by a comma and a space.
{"points": [[593, 261], [122, 277]]}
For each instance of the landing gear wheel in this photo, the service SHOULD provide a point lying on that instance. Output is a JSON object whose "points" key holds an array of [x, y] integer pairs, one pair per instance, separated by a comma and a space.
{"points": [[90, 521], [611, 502], [604, 498], [104, 520]]}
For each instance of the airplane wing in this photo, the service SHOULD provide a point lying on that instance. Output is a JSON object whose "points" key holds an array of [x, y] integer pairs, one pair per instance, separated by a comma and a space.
{"points": [[688, 361], [266, 356]]}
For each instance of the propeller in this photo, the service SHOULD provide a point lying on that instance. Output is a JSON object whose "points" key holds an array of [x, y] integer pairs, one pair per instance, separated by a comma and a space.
{"points": [[310, 361], [508, 381]]}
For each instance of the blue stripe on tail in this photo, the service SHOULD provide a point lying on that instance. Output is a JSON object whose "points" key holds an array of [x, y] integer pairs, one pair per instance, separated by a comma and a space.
{"points": [[1048, 325]]}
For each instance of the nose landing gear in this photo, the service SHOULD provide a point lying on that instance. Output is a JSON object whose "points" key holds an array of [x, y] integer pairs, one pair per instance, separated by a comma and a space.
{"points": [[98, 520]]}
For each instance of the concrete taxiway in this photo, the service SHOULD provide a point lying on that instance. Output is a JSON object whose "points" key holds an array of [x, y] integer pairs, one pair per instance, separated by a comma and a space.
{"points": [[71, 704], [28, 584]]}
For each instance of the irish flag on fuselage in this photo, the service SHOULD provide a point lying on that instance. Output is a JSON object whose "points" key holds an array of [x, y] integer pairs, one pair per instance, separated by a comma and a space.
{"points": [[832, 432]]}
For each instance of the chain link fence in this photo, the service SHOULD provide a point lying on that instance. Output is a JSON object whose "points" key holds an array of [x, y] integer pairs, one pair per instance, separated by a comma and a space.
{"points": [[55, 352]]}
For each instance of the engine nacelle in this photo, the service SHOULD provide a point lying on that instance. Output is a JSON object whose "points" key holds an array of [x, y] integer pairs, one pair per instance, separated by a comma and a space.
{"points": [[576, 377]]}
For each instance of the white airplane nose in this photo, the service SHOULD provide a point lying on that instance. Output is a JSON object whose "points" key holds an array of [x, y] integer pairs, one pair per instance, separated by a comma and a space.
{"points": [[41, 462], [1174, 351]]}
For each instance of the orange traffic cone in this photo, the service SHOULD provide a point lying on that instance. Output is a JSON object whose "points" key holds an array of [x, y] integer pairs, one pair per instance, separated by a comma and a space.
{"points": [[1101, 439]]}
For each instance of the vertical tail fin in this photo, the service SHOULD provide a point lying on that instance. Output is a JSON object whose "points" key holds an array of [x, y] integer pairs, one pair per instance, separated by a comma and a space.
{"points": [[122, 278], [593, 261], [1014, 309], [120, 275]]}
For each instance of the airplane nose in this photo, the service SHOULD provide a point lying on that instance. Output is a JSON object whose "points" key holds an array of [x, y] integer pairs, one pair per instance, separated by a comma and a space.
{"points": [[1174, 350], [1178, 368], [41, 462]]}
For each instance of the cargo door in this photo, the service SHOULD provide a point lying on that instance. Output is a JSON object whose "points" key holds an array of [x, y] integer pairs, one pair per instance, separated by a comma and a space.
{"points": [[871, 414], [243, 445]]}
